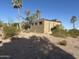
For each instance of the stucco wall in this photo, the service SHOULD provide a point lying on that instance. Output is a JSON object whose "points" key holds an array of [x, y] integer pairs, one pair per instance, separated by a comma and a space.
{"points": [[48, 25], [37, 28], [45, 27]]}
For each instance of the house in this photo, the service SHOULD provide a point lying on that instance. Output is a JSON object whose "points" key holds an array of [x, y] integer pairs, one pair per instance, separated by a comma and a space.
{"points": [[44, 25]]}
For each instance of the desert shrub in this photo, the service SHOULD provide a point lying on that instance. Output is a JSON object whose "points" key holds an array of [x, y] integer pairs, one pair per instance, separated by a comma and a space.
{"points": [[58, 31], [1, 23], [63, 42], [25, 26], [73, 33], [9, 31], [15, 24]]}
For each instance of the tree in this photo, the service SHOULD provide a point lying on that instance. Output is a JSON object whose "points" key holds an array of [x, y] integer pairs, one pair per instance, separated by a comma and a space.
{"points": [[30, 18], [33, 17], [17, 4], [38, 13], [73, 21], [27, 13]]}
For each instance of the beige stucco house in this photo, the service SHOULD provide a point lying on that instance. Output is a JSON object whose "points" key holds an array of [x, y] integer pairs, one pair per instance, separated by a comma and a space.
{"points": [[44, 26]]}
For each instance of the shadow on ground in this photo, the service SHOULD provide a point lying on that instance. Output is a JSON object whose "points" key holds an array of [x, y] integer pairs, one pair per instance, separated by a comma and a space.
{"points": [[33, 48]]}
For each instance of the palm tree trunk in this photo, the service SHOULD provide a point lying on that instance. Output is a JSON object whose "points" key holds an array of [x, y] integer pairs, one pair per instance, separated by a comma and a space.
{"points": [[19, 18], [73, 25]]}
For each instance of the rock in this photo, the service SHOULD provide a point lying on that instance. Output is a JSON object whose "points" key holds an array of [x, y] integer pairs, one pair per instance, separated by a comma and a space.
{"points": [[63, 42], [0, 42]]}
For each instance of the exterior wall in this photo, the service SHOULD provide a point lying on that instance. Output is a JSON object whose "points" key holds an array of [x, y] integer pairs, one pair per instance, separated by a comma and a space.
{"points": [[48, 25], [45, 27], [37, 28]]}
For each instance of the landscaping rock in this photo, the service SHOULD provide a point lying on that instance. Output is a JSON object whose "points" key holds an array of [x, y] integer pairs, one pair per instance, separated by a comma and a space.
{"points": [[63, 42]]}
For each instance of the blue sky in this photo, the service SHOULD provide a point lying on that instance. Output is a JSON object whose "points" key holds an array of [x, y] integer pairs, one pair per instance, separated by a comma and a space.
{"points": [[63, 10]]}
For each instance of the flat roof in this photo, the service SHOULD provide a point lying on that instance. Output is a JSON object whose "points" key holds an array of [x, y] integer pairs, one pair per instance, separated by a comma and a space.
{"points": [[42, 19]]}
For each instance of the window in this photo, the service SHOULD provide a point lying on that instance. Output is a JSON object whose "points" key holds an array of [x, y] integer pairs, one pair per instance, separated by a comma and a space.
{"points": [[40, 23], [35, 23]]}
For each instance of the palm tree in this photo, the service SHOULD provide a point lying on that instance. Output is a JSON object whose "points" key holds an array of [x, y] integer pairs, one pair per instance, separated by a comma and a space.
{"points": [[27, 13], [17, 4], [30, 18], [38, 14], [73, 21], [33, 17]]}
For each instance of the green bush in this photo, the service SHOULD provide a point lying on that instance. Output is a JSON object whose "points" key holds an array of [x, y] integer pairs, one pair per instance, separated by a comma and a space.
{"points": [[9, 31], [73, 33], [58, 32]]}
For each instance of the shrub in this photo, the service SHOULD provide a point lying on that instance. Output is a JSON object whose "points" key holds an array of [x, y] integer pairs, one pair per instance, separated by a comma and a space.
{"points": [[25, 26], [9, 31], [73, 33], [63, 42], [1, 23], [15, 25], [58, 32]]}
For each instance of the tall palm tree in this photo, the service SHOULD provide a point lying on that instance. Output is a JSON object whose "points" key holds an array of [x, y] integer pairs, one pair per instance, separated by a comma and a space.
{"points": [[38, 14], [73, 21], [33, 17], [17, 4], [30, 18], [27, 12]]}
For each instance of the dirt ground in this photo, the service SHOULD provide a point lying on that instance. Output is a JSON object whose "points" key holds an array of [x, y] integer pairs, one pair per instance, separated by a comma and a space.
{"points": [[71, 48]]}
